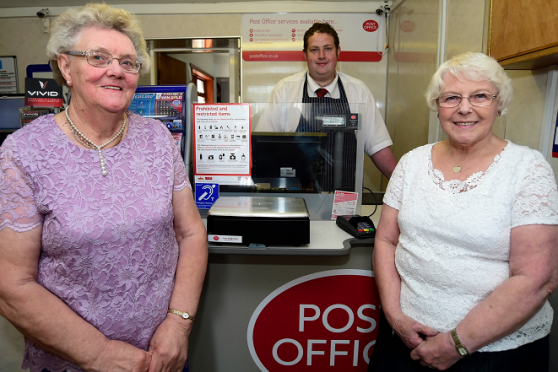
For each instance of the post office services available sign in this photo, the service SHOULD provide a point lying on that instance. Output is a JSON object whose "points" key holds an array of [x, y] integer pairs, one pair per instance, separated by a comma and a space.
{"points": [[272, 37], [326, 321]]}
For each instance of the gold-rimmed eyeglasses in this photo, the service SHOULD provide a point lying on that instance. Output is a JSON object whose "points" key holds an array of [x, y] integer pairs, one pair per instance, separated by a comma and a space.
{"points": [[477, 99], [103, 59]]}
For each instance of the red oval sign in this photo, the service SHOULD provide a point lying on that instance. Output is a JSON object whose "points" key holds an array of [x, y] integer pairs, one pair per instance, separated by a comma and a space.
{"points": [[325, 321], [370, 25], [407, 26]]}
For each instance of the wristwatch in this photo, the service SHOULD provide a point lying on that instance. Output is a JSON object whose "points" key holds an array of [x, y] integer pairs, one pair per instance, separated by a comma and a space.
{"points": [[458, 345], [184, 315]]}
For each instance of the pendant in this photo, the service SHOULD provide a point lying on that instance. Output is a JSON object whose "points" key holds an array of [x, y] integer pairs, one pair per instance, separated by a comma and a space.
{"points": [[456, 169], [102, 161]]}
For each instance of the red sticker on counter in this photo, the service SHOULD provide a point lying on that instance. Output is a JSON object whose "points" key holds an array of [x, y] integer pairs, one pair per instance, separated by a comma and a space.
{"points": [[325, 321]]}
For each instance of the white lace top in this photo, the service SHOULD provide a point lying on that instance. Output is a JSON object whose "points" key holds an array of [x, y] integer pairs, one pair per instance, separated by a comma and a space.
{"points": [[454, 244]]}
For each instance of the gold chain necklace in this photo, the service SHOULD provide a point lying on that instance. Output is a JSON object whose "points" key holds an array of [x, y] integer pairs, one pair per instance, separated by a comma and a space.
{"points": [[457, 168], [90, 144]]}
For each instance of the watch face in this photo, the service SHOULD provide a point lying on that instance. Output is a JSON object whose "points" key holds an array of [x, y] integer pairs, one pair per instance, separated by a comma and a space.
{"points": [[462, 351], [185, 315]]}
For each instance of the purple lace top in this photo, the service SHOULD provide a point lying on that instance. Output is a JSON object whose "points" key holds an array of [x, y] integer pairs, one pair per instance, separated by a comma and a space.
{"points": [[108, 245]]}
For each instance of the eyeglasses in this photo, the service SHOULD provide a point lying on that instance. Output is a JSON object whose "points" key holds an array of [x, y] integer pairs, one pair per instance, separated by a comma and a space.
{"points": [[103, 59], [477, 100]]}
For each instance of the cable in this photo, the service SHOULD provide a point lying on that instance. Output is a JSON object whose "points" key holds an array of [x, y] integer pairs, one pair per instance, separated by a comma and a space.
{"points": [[375, 201]]}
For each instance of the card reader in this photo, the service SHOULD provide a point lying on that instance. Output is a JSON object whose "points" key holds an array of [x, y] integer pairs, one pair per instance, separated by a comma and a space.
{"points": [[357, 226]]}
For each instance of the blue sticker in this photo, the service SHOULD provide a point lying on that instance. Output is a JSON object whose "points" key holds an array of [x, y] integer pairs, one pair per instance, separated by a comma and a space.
{"points": [[206, 194], [555, 144]]}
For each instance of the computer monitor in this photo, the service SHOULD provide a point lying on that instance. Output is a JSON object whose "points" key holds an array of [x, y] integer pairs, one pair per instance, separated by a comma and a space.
{"points": [[288, 162], [9, 110]]}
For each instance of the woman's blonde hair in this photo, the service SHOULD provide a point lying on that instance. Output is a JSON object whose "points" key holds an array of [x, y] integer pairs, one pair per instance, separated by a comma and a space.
{"points": [[474, 67], [66, 31]]}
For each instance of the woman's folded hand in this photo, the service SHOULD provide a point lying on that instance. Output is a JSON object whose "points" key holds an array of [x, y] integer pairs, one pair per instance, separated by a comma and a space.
{"points": [[437, 352], [119, 356], [169, 345], [412, 332]]}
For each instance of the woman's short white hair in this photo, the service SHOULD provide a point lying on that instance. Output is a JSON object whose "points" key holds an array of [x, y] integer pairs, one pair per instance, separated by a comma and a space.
{"points": [[66, 31], [474, 67]]}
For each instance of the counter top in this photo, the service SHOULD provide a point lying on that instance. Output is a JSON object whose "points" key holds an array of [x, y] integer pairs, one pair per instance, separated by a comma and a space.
{"points": [[326, 239]]}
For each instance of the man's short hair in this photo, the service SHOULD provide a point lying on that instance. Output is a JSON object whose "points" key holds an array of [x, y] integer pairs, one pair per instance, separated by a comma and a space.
{"points": [[321, 28]]}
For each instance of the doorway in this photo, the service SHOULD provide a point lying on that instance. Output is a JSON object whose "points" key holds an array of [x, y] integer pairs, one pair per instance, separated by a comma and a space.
{"points": [[204, 82], [213, 61], [170, 70]]}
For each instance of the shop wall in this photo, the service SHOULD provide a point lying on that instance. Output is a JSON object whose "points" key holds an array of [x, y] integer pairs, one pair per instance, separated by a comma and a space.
{"points": [[465, 27], [23, 38], [412, 61]]}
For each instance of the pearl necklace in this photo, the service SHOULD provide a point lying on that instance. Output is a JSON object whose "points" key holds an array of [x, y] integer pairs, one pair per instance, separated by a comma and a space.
{"points": [[91, 143]]}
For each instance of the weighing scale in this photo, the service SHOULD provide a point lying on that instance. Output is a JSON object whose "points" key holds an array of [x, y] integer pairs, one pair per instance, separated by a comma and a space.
{"points": [[259, 221]]}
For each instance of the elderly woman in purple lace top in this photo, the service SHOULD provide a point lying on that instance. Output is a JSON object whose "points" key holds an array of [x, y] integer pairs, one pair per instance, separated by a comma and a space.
{"points": [[102, 250]]}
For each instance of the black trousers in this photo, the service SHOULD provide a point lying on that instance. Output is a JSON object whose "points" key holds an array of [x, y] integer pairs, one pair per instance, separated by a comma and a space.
{"points": [[391, 355]]}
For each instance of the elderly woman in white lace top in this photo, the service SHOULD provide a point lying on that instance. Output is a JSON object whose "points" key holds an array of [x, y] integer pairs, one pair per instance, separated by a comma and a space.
{"points": [[466, 251]]}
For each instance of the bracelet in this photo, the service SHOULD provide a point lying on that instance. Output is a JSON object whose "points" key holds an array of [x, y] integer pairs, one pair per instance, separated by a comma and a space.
{"points": [[394, 323], [184, 315]]}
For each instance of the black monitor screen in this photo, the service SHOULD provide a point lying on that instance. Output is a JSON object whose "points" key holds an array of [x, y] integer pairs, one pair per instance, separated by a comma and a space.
{"points": [[9, 111], [287, 162]]}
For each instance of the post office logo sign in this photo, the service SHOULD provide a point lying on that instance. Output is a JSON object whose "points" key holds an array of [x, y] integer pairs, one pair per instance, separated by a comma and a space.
{"points": [[326, 321]]}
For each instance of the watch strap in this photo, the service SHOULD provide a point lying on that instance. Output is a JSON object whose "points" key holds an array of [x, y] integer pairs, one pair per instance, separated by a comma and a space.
{"points": [[184, 315], [461, 349]]}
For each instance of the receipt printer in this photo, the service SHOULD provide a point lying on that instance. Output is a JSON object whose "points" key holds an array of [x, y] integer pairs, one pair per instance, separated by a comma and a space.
{"points": [[259, 220]]}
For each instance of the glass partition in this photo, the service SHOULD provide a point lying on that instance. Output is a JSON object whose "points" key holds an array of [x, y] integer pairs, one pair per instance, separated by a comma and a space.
{"points": [[297, 150], [412, 60]]}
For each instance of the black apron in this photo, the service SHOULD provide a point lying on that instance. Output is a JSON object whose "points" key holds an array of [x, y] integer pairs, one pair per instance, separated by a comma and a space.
{"points": [[314, 107]]}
